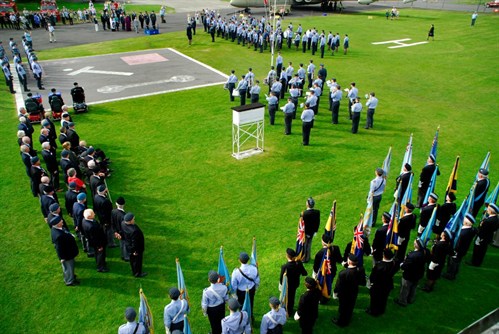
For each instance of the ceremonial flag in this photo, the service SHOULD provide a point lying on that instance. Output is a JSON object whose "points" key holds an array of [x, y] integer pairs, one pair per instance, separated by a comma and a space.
{"points": [[368, 214], [492, 198], [330, 228], [485, 164], [394, 209], [463, 210], [145, 315], [181, 282], [386, 162], [283, 297], [300, 239], [324, 276], [187, 325], [247, 305], [425, 237], [391, 241], [452, 185], [407, 155], [431, 186], [407, 197], [433, 150], [253, 259], [223, 272], [358, 242]]}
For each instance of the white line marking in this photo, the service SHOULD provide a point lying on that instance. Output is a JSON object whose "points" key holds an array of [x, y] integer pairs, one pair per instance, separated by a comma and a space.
{"points": [[406, 45], [199, 63], [156, 93], [118, 88], [88, 69], [390, 42]]}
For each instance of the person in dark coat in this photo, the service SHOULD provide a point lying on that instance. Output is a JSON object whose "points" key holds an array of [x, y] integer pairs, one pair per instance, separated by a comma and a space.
{"points": [[293, 270], [426, 212], [117, 216], [96, 239], [134, 239], [381, 283], [445, 212], [379, 241], [403, 180], [51, 164], [334, 256], [485, 234], [66, 249], [406, 224], [425, 178], [468, 232], [347, 289], [308, 306], [103, 208], [70, 198], [312, 221], [413, 270], [189, 33], [46, 200], [439, 253], [366, 249], [482, 186]]}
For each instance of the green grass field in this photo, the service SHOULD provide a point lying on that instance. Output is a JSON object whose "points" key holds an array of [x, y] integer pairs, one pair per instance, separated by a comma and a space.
{"points": [[172, 160]]}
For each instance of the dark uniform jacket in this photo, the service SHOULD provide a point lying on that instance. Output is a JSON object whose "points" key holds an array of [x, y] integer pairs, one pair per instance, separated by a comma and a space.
{"points": [[487, 228], [312, 220], [308, 306], [414, 265], [349, 280], [134, 238], [445, 212], [382, 276], [293, 270], [64, 243], [379, 242], [334, 257], [463, 244], [94, 233], [103, 208], [426, 213], [117, 217], [406, 224]]}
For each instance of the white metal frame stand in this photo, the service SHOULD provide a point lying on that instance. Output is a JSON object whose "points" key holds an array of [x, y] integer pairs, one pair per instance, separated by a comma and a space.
{"points": [[248, 124]]}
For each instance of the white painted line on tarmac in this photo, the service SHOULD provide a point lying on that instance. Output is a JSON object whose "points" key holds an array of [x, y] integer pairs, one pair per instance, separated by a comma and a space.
{"points": [[120, 88], [393, 41], [88, 69], [199, 63]]}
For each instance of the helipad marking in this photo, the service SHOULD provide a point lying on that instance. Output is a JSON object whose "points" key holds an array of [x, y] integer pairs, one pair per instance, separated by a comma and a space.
{"points": [[399, 43], [88, 69], [149, 58], [119, 88]]}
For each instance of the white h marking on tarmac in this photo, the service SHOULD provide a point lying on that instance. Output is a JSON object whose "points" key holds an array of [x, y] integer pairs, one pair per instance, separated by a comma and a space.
{"points": [[88, 69], [399, 43]]}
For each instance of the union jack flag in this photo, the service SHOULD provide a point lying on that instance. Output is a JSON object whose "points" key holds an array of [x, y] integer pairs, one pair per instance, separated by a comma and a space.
{"points": [[358, 243], [300, 239], [324, 276]]}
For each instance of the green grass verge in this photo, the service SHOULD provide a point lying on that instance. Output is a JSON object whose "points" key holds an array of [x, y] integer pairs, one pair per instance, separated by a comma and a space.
{"points": [[171, 156], [99, 6]]}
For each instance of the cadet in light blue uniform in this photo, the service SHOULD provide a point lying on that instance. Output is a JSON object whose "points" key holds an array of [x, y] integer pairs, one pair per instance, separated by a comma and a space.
{"points": [[237, 322], [242, 88], [213, 302], [173, 316], [245, 278], [274, 319], [131, 327], [336, 96], [273, 104], [255, 92], [289, 110], [356, 109], [371, 105], [231, 83], [307, 117]]}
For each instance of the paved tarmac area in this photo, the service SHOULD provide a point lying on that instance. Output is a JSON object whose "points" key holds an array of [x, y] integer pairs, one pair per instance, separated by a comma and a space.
{"points": [[120, 76]]}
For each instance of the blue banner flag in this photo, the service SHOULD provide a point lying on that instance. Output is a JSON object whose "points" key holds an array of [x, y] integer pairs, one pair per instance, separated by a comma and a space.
{"points": [[247, 304], [187, 325], [431, 186], [223, 272], [181, 282], [425, 237], [387, 162], [407, 155], [254, 259], [145, 314], [492, 198], [367, 221], [434, 144], [485, 164], [283, 297]]}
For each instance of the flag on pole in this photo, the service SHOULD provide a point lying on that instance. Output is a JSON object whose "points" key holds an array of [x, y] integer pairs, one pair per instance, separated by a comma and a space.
{"points": [[391, 241], [283, 297], [358, 242], [247, 305], [145, 315], [253, 259], [407, 155], [300, 239], [187, 325], [467, 206], [433, 150], [181, 282], [324, 276], [425, 237], [223, 272], [492, 198], [407, 196], [452, 185], [368, 214], [431, 186], [485, 164], [330, 228], [387, 162]]}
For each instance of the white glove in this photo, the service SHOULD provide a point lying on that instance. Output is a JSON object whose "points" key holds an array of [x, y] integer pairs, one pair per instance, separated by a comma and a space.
{"points": [[433, 265], [343, 263], [167, 330], [368, 283], [420, 229], [296, 317], [335, 295], [400, 241], [314, 275], [315, 234], [280, 287], [477, 241]]}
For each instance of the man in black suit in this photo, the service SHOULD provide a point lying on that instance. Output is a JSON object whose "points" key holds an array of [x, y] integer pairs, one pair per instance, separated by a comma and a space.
{"points": [[97, 179], [427, 211], [96, 239], [293, 270], [445, 212], [308, 306], [66, 164], [482, 186], [134, 239], [36, 173], [117, 216], [425, 178], [379, 241], [466, 236], [485, 234], [347, 289], [26, 158], [406, 224], [413, 270], [103, 208], [73, 136], [66, 249], [381, 283], [46, 200], [334, 256], [403, 181], [51, 164], [312, 221]]}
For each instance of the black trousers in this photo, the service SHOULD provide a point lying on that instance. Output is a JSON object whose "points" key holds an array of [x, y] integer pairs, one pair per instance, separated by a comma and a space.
{"points": [[288, 119], [242, 96], [136, 263], [345, 309], [100, 258], [272, 111], [335, 108], [215, 315], [306, 127], [376, 202], [379, 298]]}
